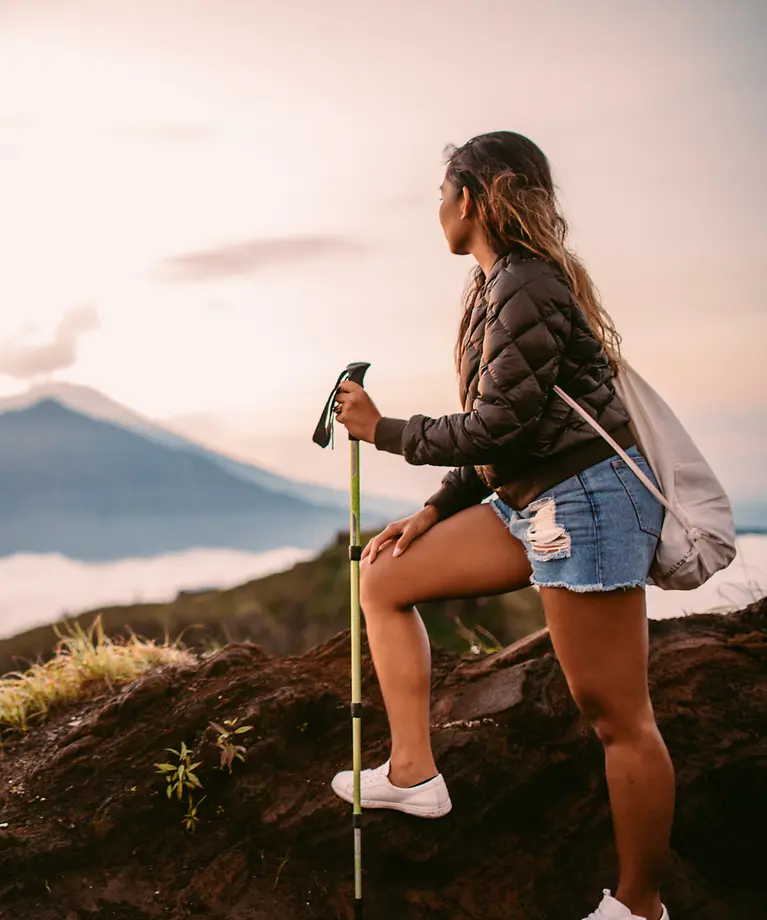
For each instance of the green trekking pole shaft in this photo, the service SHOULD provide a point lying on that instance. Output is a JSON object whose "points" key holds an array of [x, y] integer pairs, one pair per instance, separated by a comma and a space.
{"points": [[355, 551], [323, 435], [357, 375]]}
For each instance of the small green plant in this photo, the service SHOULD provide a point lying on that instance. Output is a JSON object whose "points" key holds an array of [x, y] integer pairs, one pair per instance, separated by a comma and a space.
{"points": [[477, 645], [180, 776], [190, 819], [230, 750], [283, 862]]}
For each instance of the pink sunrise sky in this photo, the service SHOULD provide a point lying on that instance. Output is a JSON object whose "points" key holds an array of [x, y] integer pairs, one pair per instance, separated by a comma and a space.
{"points": [[200, 190]]}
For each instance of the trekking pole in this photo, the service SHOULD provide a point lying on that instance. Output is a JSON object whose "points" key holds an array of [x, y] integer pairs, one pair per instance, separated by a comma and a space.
{"points": [[323, 436]]}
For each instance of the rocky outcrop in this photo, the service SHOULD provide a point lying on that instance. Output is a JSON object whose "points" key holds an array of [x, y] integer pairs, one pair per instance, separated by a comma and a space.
{"points": [[86, 830]]}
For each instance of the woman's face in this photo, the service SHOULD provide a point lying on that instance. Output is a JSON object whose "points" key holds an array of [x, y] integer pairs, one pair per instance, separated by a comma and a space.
{"points": [[454, 217]]}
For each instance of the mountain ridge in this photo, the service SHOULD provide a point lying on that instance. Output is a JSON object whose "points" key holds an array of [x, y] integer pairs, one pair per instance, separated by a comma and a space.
{"points": [[95, 490], [86, 477], [91, 402]]}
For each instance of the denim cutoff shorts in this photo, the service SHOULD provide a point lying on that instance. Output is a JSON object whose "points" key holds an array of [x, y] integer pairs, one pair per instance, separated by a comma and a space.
{"points": [[596, 531]]}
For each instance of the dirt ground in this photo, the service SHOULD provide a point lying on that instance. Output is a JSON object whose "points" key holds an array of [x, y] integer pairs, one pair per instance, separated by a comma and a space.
{"points": [[86, 830]]}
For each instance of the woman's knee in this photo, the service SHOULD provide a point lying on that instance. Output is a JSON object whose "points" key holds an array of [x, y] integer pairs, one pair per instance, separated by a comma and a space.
{"points": [[378, 584], [614, 722]]}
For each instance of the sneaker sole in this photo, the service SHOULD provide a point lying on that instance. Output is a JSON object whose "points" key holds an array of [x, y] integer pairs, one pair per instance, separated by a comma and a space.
{"points": [[415, 810]]}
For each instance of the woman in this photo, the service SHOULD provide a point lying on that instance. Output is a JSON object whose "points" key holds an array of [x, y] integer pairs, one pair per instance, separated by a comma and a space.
{"points": [[566, 513]]}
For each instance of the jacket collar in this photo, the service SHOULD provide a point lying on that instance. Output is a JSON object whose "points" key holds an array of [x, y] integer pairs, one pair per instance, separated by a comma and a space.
{"points": [[499, 265]]}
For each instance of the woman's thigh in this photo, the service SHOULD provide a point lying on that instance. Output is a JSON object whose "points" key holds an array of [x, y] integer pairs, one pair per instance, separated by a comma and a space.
{"points": [[601, 642], [471, 554]]}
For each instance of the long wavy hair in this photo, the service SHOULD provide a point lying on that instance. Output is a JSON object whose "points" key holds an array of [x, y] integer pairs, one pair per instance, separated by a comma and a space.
{"points": [[510, 182]]}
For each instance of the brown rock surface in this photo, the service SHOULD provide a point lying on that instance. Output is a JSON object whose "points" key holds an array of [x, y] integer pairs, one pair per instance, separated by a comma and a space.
{"points": [[87, 832]]}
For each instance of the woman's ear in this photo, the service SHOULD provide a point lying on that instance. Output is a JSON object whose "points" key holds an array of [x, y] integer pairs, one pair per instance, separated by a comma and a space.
{"points": [[467, 205]]}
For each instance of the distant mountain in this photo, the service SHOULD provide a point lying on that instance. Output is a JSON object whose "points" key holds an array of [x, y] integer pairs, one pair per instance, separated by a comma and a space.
{"points": [[89, 402], [94, 490], [85, 477]]}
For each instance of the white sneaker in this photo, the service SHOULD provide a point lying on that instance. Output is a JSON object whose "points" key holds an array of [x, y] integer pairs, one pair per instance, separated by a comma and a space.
{"points": [[610, 909], [428, 800]]}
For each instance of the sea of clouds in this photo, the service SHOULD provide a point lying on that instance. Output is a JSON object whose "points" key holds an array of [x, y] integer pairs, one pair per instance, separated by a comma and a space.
{"points": [[37, 589]]}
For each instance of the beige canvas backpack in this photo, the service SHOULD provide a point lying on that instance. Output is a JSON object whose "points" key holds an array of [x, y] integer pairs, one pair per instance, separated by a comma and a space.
{"points": [[698, 534]]}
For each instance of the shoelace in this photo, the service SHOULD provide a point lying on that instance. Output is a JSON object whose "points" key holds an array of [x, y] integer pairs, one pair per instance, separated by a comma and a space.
{"points": [[370, 775]]}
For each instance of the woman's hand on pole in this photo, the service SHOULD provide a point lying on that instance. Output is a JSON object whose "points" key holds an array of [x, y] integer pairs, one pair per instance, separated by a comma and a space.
{"points": [[356, 411]]}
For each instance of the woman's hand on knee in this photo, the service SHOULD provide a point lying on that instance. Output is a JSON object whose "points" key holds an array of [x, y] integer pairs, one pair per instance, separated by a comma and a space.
{"points": [[407, 529]]}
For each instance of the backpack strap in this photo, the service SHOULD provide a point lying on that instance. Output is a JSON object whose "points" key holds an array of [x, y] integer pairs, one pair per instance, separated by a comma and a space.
{"points": [[617, 448]]}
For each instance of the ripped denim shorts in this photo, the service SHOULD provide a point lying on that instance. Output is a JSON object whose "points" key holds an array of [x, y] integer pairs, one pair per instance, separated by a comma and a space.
{"points": [[596, 531]]}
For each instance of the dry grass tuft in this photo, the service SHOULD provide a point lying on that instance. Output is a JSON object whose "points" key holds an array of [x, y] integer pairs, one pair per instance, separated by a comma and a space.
{"points": [[82, 664]]}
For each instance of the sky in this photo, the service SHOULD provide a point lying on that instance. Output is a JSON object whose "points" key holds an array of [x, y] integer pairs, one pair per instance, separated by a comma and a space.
{"points": [[207, 209]]}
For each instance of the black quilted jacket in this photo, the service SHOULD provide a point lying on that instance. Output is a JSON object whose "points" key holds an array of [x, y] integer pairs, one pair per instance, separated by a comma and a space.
{"points": [[516, 437]]}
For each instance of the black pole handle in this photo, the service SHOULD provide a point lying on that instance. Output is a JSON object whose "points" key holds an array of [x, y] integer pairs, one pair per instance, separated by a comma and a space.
{"points": [[324, 430], [356, 373]]}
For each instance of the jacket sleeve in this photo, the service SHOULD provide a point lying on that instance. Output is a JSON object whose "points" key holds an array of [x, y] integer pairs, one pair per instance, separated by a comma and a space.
{"points": [[461, 488], [525, 336]]}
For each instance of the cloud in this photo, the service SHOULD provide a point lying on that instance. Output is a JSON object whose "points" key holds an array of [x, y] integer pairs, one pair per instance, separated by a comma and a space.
{"points": [[37, 589], [240, 260], [25, 362]]}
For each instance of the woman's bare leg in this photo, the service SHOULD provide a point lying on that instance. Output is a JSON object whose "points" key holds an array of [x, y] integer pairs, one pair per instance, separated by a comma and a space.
{"points": [[471, 554], [601, 641]]}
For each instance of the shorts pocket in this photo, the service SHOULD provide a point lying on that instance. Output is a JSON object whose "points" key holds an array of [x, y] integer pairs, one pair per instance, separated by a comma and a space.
{"points": [[648, 509]]}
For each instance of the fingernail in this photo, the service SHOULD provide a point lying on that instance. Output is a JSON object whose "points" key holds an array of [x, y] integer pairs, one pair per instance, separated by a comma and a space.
{"points": [[397, 551]]}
